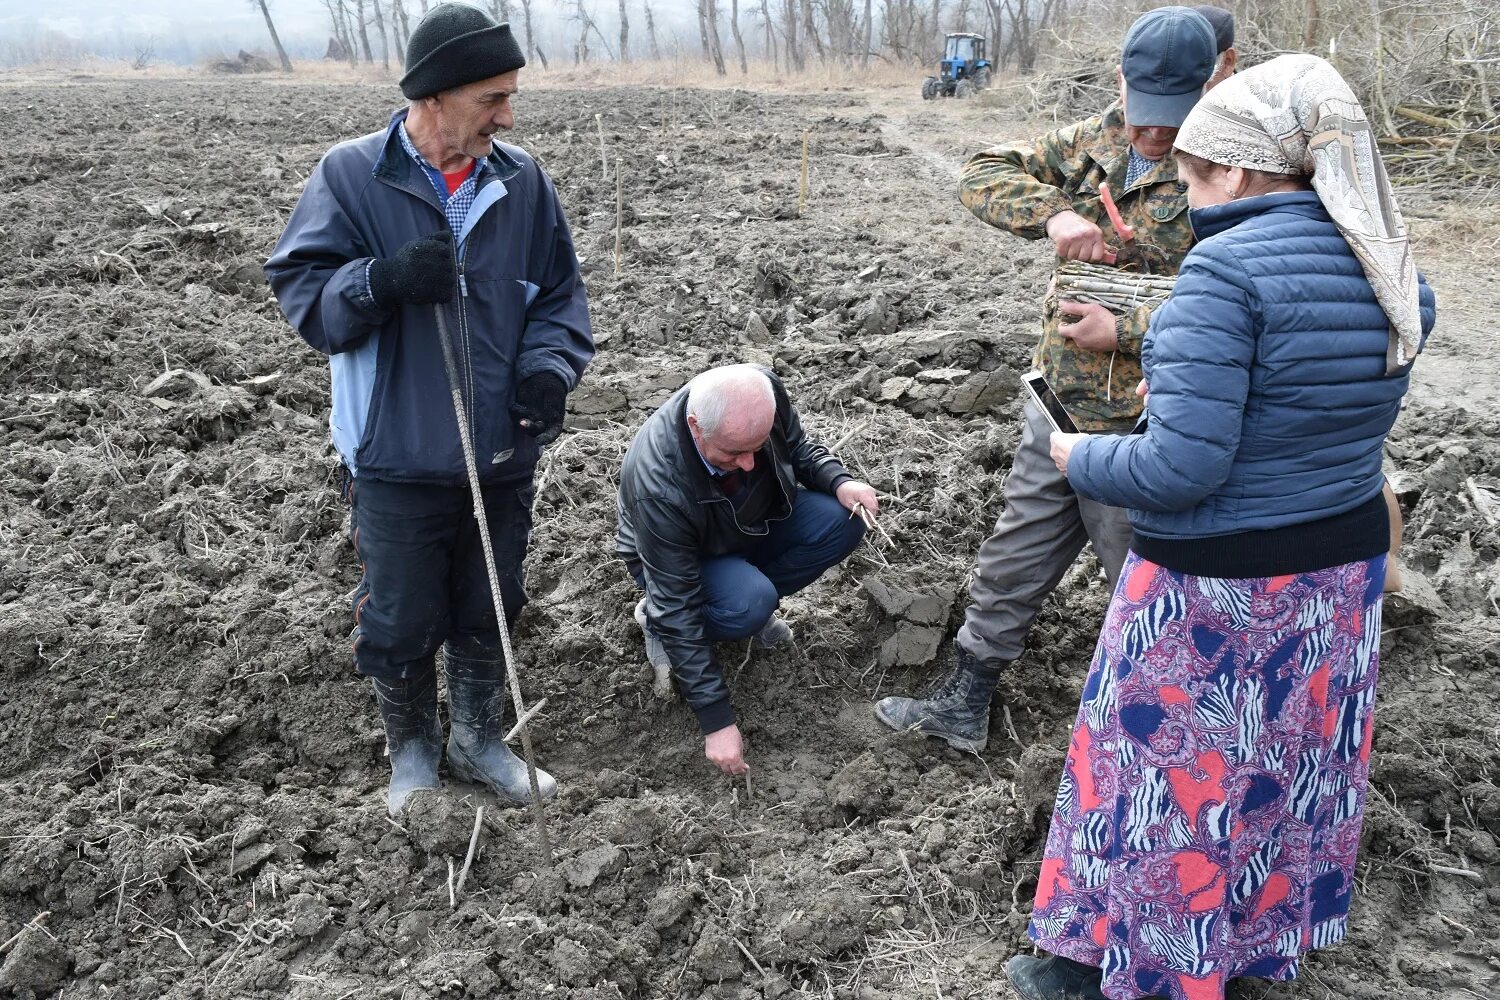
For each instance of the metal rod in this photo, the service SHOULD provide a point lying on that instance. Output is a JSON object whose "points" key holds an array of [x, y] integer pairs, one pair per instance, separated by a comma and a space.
{"points": [[461, 414]]}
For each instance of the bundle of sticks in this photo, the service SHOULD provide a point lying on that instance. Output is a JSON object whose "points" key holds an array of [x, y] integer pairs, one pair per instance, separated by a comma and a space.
{"points": [[1116, 290]]}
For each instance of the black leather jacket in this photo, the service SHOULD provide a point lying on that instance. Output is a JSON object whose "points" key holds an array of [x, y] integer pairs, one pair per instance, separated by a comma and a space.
{"points": [[672, 517]]}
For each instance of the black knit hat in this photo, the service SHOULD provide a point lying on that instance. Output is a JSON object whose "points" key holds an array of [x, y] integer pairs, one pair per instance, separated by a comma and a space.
{"points": [[455, 44]]}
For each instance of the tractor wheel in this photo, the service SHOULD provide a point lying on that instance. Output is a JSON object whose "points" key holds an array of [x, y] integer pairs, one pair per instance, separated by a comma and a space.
{"points": [[964, 89], [929, 88], [982, 78]]}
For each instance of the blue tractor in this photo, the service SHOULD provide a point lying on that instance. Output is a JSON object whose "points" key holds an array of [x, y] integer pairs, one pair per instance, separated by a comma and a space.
{"points": [[964, 69]]}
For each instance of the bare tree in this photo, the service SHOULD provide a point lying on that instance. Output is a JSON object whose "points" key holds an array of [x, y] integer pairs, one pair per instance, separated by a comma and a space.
{"points": [[708, 52], [651, 32], [144, 53], [624, 34], [338, 16], [364, 34], [795, 56], [864, 48], [526, 18], [1311, 32], [713, 36], [739, 41], [810, 28], [1024, 22], [771, 53], [385, 44], [838, 16], [286, 64], [401, 28], [581, 47]]}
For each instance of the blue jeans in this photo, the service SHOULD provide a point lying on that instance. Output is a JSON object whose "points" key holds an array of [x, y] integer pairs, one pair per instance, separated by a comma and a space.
{"points": [[425, 582], [743, 590]]}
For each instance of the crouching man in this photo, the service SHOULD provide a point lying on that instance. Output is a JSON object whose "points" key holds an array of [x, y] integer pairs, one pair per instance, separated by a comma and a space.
{"points": [[726, 507]]}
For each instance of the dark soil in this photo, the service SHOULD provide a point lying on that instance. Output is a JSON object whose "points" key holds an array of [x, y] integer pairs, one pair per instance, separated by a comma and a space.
{"points": [[191, 788]]}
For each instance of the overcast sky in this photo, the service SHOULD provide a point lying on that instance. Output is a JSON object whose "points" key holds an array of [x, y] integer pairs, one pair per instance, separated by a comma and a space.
{"points": [[94, 18], [198, 27]]}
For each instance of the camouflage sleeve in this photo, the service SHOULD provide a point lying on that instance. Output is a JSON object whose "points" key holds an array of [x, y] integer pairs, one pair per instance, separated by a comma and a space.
{"points": [[1018, 186], [1130, 329]]}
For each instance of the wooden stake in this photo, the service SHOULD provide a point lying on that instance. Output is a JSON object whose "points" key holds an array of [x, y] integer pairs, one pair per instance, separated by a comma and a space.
{"points": [[469, 859], [746, 952], [802, 189], [35, 921], [619, 213], [525, 720], [1461, 872], [603, 153]]}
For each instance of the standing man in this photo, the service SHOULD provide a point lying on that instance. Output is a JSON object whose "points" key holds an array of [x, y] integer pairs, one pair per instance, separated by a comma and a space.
{"points": [[1090, 356], [727, 506], [431, 213]]}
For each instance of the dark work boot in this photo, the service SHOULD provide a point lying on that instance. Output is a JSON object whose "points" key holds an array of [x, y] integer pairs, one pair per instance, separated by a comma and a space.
{"points": [[413, 734], [775, 632], [477, 753], [1052, 977], [958, 711]]}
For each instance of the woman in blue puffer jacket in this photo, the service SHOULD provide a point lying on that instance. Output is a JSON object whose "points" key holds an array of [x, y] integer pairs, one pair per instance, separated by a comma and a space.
{"points": [[1208, 819]]}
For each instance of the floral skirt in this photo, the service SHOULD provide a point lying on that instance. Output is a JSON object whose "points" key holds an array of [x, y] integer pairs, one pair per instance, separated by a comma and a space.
{"points": [[1209, 813]]}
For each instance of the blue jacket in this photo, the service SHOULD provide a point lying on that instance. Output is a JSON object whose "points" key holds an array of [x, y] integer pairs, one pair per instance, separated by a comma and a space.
{"points": [[1269, 400], [523, 309]]}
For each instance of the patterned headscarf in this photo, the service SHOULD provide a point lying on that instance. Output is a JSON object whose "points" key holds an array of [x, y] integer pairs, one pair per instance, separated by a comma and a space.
{"points": [[1296, 115]]}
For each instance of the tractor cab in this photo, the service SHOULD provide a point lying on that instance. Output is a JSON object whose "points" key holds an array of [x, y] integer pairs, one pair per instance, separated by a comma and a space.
{"points": [[963, 70], [962, 54]]}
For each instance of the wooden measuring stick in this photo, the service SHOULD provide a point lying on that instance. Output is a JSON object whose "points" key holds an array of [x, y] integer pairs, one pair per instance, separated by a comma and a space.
{"points": [[619, 213], [603, 154], [802, 189]]}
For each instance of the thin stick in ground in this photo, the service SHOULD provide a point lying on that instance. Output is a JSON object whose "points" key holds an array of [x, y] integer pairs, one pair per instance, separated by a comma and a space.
{"points": [[34, 922], [603, 152], [619, 214], [463, 876], [802, 188]]}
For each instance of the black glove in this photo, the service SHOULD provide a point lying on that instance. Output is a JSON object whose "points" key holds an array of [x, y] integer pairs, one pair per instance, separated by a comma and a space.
{"points": [[541, 400], [422, 272]]}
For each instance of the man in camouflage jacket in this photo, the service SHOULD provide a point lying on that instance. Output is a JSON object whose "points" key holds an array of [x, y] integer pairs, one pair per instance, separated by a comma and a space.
{"points": [[1090, 356]]}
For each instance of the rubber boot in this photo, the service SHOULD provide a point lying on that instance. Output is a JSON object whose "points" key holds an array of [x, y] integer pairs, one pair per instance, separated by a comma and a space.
{"points": [[413, 734], [1052, 977], [958, 711], [477, 752]]}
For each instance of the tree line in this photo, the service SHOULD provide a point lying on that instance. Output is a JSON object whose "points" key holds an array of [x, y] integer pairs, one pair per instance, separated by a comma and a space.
{"points": [[791, 34]]}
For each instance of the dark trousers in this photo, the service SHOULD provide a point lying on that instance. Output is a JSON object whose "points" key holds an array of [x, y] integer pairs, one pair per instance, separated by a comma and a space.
{"points": [[425, 581], [743, 590]]}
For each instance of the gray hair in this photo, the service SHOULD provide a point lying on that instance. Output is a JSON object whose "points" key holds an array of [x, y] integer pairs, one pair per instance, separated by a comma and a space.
{"points": [[711, 394]]}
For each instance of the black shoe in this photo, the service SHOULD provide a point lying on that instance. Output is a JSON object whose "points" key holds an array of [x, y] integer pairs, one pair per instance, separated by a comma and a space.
{"points": [[958, 711], [1052, 977], [413, 734], [477, 753]]}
